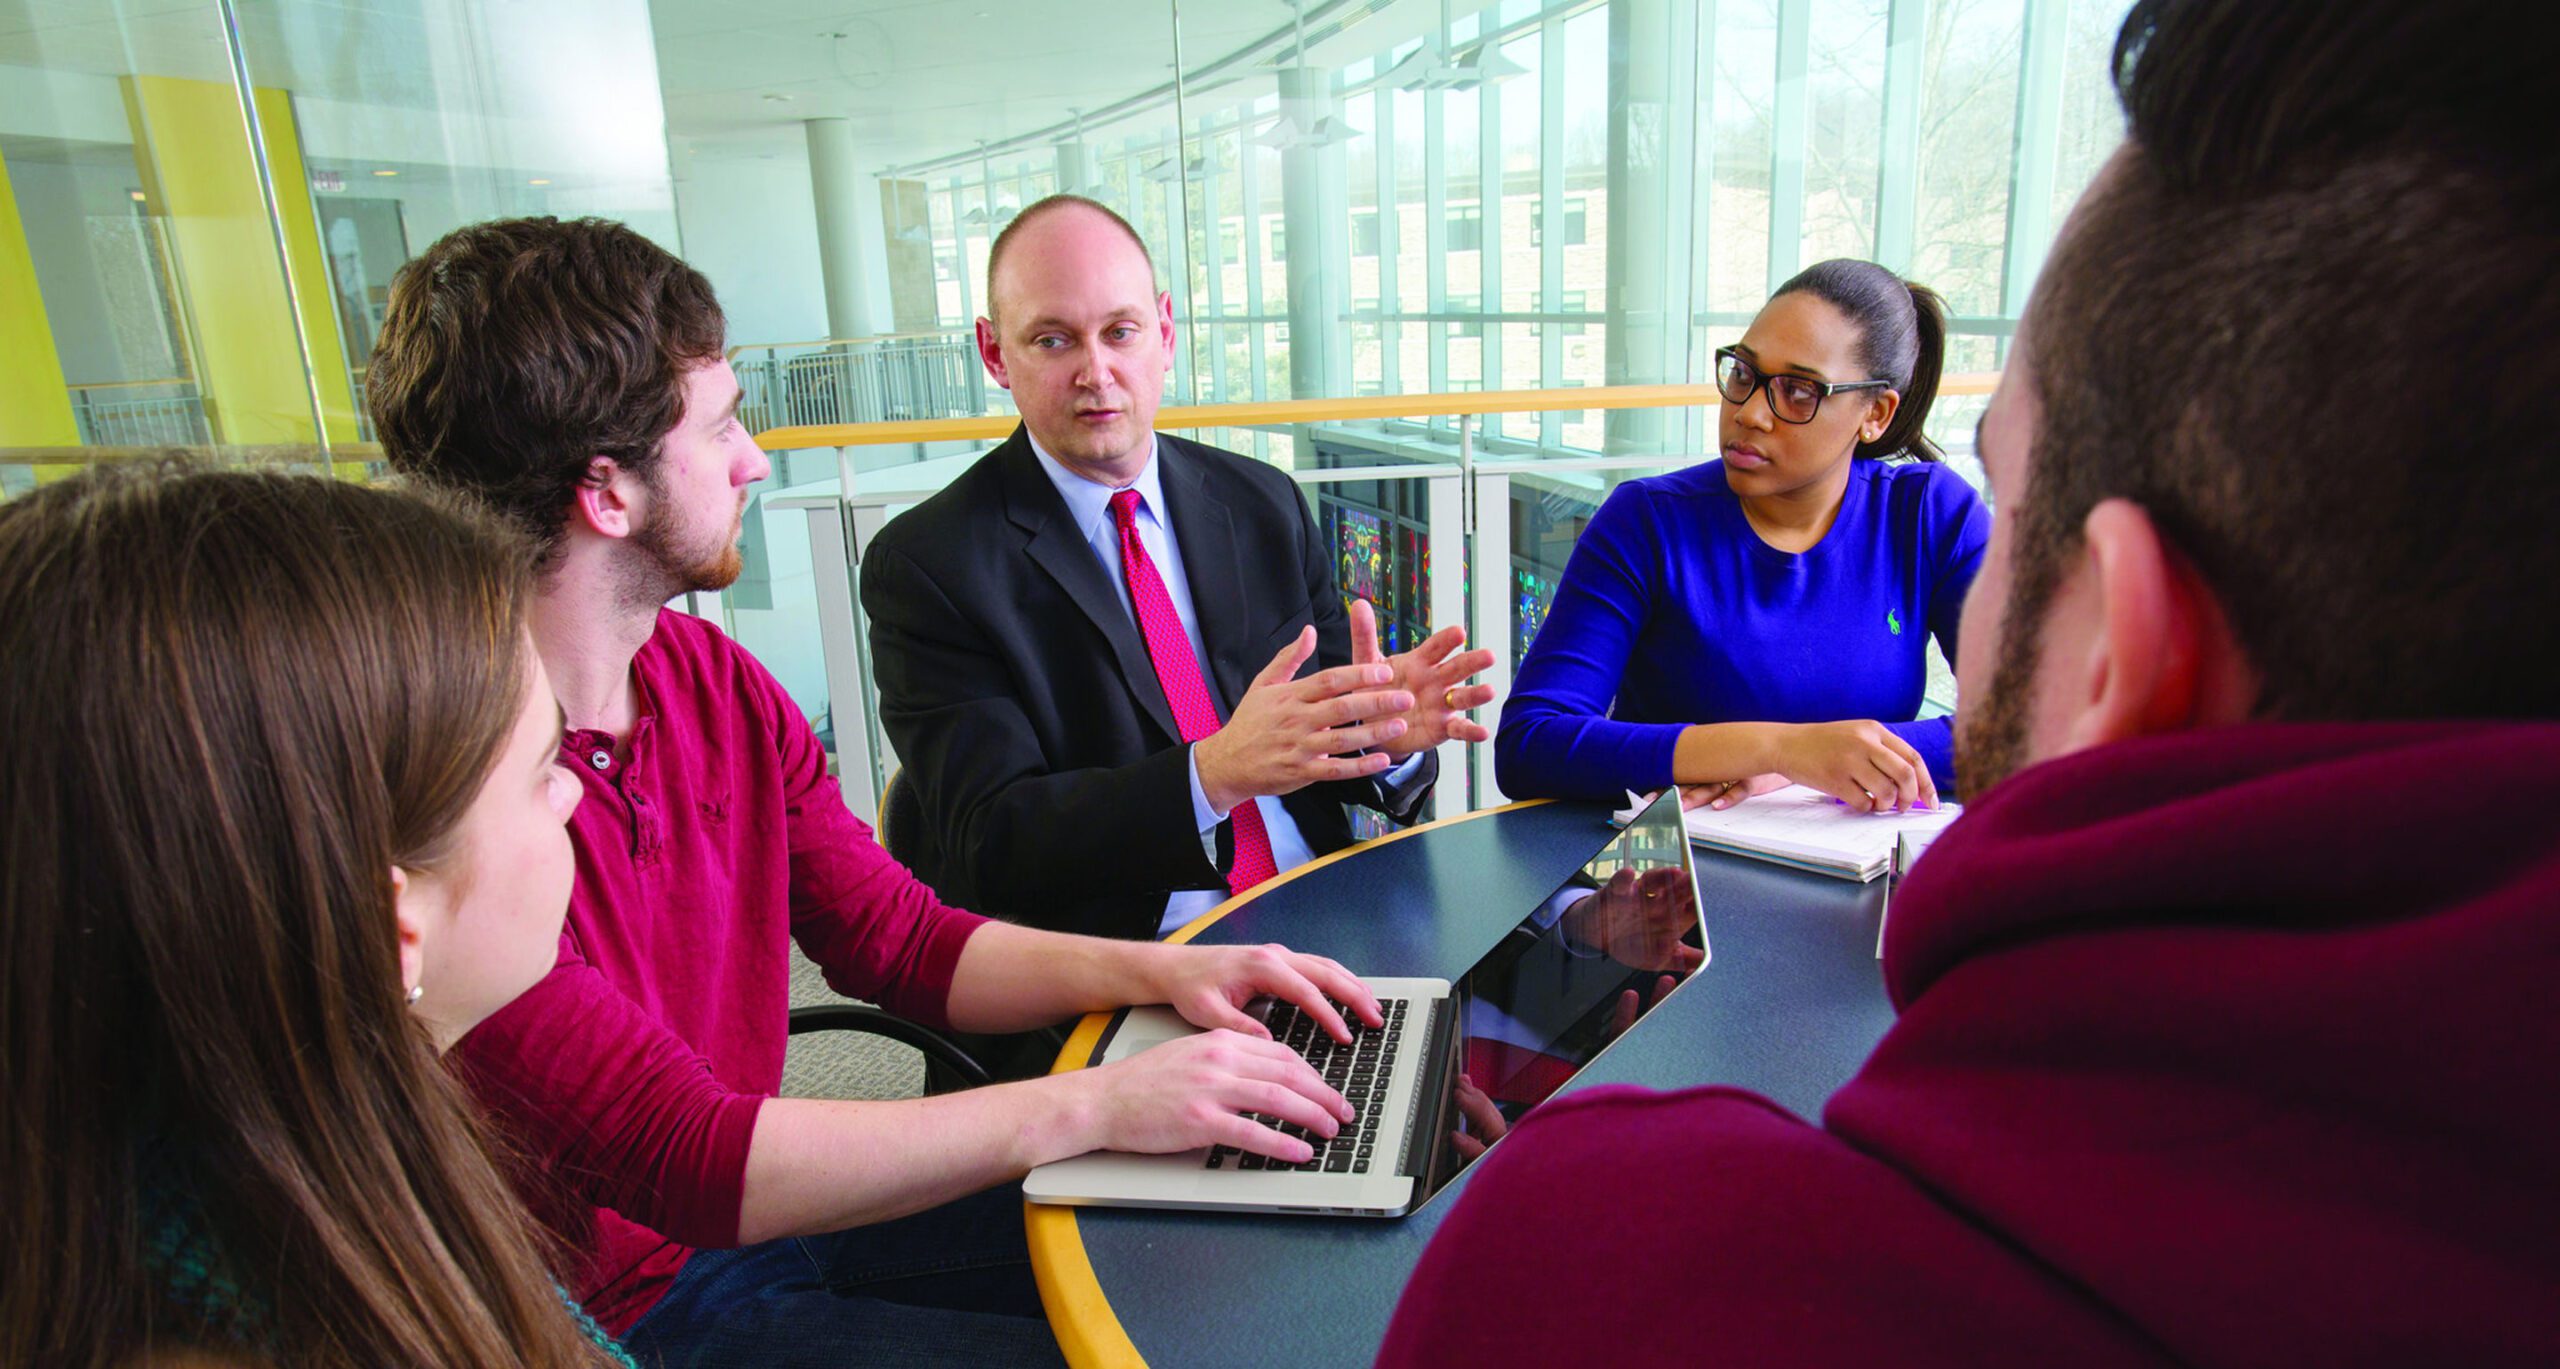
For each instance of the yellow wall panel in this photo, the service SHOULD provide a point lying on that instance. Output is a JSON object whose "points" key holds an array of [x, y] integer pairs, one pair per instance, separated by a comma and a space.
{"points": [[191, 148], [308, 260], [35, 409]]}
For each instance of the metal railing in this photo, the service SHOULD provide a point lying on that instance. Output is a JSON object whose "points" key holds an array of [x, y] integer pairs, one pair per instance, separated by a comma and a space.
{"points": [[355, 391], [1466, 500], [167, 413], [859, 380], [1466, 503], [140, 413]]}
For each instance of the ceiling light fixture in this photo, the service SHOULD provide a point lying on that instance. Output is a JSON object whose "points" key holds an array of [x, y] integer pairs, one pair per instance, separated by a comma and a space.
{"points": [[987, 186], [1325, 131], [1167, 169], [1487, 66], [1289, 130], [1074, 185], [1430, 67], [385, 171]]}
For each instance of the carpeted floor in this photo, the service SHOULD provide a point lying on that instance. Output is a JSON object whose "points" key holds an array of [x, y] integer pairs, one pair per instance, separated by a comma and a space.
{"points": [[843, 1064]]}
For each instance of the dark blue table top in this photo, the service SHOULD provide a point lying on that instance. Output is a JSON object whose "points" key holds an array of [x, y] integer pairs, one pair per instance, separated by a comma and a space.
{"points": [[1789, 1004]]}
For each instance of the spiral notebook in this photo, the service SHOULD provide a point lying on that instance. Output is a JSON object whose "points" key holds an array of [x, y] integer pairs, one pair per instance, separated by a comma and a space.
{"points": [[1809, 830]]}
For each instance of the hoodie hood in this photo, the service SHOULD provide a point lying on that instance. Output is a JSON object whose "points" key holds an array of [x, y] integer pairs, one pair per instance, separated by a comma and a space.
{"points": [[2251, 1034]]}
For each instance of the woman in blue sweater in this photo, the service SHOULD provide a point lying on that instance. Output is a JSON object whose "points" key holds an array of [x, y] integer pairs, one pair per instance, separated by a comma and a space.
{"points": [[1763, 619]]}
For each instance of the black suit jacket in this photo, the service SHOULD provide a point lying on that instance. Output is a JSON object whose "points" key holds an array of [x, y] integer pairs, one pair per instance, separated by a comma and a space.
{"points": [[1018, 693]]}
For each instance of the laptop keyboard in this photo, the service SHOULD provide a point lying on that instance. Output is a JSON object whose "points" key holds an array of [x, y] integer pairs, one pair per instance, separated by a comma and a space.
{"points": [[1357, 1070]]}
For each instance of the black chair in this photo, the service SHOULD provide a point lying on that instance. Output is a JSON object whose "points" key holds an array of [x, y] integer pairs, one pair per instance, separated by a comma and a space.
{"points": [[941, 1054], [948, 1065], [901, 813], [1021, 1055]]}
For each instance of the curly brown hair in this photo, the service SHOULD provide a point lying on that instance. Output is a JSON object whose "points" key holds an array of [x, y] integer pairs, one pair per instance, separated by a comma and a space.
{"points": [[517, 351]]}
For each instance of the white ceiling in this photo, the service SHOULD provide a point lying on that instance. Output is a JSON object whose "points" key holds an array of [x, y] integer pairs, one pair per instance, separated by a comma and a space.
{"points": [[374, 52], [920, 79]]}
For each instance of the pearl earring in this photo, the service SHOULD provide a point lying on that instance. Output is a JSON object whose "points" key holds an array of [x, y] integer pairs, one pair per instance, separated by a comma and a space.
{"points": [[416, 992]]}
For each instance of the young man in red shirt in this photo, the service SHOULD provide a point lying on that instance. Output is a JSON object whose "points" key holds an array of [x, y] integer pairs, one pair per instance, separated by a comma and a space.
{"points": [[572, 375]]}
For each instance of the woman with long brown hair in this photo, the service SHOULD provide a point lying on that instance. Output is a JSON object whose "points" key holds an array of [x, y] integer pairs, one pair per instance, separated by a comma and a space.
{"points": [[283, 822]]}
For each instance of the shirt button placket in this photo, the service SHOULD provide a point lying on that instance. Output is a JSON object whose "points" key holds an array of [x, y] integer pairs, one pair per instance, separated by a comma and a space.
{"points": [[647, 833]]}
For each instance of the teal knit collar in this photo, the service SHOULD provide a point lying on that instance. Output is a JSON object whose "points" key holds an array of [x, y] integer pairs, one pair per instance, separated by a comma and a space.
{"points": [[179, 1250]]}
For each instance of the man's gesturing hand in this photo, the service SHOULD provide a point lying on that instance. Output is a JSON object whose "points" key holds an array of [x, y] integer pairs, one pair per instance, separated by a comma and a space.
{"points": [[1435, 675], [1640, 920], [1288, 733]]}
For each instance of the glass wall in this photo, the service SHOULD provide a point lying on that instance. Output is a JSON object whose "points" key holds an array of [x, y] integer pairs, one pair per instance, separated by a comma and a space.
{"points": [[202, 204], [1695, 153]]}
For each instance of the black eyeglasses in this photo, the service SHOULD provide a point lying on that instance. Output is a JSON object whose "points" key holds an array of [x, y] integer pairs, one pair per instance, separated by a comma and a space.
{"points": [[1794, 399]]}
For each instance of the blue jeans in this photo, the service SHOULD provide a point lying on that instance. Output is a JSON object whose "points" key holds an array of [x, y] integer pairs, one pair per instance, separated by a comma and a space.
{"points": [[947, 1286]]}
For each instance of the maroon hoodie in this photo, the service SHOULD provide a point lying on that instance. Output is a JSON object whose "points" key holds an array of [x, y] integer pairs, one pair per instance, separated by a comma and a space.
{"points": [[2226, 1048]]}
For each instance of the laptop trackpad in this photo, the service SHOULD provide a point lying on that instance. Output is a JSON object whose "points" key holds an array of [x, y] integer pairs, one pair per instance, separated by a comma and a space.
{"points": [[1138, 1028]]}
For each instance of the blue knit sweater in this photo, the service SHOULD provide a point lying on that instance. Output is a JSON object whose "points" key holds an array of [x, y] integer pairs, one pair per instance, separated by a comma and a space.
{"points": [[1673, 611]]}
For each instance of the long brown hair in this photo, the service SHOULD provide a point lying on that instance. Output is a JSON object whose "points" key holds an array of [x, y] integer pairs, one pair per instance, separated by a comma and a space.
{"points": [[231, 703]]}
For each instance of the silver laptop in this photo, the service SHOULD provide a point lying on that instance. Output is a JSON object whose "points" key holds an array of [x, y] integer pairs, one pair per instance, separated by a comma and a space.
{"points": [[1455, 1065]]}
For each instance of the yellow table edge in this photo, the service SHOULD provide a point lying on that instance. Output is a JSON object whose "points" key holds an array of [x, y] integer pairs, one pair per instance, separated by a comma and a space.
{"points": [[1088, 1331]]}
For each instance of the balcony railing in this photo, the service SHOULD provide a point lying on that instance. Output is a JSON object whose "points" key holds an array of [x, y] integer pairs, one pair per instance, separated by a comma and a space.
{"points": [[859, 380], [140, 413], [1387, 512], [355, 392], [1429, 521]]}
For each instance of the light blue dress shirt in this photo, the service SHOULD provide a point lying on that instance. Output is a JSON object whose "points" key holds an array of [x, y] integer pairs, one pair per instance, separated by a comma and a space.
{"points": [[1089, 503]]}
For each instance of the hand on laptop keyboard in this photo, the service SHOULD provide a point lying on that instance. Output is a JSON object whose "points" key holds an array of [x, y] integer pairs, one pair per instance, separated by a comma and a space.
{"points": [[1209, 986], [1217, 1088], [1359, 1068]]}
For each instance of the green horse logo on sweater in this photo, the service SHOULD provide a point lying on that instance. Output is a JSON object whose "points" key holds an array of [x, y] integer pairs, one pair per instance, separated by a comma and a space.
{"points": [[1893, 620]]}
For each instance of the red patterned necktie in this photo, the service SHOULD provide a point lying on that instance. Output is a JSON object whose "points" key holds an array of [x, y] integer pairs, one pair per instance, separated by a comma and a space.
{"points": [[1179, 672]]}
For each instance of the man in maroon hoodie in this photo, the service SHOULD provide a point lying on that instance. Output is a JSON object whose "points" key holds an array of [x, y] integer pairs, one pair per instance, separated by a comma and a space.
{"points": [[2225, 1027]]}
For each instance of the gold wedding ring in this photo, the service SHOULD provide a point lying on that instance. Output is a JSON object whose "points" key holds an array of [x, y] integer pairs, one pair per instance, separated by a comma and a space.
{"points": [[1449, 698]]}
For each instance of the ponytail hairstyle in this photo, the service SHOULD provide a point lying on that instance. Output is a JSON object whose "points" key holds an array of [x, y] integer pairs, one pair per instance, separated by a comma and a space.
{"points": [[1902, 337], [233, 702]]}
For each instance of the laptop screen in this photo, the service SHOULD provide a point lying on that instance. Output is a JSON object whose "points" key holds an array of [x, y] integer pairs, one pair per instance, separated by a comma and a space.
{"points": [[1589, 959]]}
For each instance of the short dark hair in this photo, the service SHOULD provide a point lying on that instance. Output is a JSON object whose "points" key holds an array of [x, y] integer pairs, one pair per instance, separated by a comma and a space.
{"points": [[1043, 208], [517, 350], [1902, 337], [2309, 323]]}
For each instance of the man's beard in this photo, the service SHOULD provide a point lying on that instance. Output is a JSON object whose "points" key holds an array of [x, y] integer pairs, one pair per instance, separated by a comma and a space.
{"points": [[664, 568], [1991, 732]]}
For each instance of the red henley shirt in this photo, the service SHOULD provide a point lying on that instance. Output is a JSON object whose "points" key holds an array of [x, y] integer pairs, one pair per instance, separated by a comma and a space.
{"points": [[708, 841]]}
